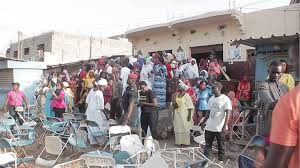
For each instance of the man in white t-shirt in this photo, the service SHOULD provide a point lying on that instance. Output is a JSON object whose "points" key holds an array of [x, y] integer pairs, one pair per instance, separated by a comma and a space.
{"points": [[216, 119]]}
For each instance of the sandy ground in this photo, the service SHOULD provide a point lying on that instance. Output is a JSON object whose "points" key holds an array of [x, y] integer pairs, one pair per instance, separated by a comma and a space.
{"points": [[232, 150]]}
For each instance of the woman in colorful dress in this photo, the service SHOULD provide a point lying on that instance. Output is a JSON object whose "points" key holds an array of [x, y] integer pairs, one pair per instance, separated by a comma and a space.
{"points": [[41, 93], [183, 122], [159, 88], [58, 101], [286, 78]]}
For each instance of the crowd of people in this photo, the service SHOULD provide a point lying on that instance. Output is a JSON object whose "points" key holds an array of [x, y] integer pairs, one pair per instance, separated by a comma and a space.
{"points": [[132, 91]]}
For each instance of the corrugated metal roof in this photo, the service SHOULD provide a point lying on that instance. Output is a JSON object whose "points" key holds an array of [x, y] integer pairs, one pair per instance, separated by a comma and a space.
{"points": [[284, 39]]}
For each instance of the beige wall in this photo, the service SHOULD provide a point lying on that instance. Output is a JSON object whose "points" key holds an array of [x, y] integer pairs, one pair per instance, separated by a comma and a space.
{"points": [[205, 35], [255, 24], [278, 21]]}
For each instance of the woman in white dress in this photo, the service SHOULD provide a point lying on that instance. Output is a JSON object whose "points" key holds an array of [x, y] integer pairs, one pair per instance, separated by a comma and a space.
{"points": [[94, 112], [146, 71]]}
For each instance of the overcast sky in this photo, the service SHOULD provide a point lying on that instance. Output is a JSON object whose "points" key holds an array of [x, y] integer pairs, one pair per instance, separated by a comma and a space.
{"points": [[104, 17]]}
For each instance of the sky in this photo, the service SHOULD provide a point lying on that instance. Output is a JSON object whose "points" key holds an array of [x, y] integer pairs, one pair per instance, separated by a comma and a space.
{"points": [[105, 18]]}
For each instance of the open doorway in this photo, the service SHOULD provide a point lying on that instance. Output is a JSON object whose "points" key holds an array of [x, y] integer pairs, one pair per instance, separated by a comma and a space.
{"points": [[203, 52]]}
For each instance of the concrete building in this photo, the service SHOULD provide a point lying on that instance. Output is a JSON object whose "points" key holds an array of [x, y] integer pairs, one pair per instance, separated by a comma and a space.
{"points": [[198, 35], [27, 73], [57, 48]]}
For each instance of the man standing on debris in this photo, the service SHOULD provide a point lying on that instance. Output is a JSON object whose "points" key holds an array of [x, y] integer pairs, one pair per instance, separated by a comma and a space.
{"points": [[284, 148], [13, 100], [216, 118], [269, 92], [130, 101], [149, 114]]}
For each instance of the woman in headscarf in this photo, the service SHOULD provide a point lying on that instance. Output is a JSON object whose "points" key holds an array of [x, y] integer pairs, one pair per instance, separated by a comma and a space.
{"points": [[203, 63], [89, 83], [66, 76], [52, 87], [159, 86], [236, 108], [89, 80], [94, 112], [286, 78], [190, 91], [41, 93], [193, 71], [69, 96], [183, 115], [146, 70], [58, 100]]}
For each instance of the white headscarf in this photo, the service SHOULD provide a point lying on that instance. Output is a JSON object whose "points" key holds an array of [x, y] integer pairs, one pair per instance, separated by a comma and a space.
{"points": [[193, 71], [102, 82]]}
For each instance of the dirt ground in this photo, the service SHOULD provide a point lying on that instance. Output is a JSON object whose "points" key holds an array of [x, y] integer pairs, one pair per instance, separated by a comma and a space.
{"points": [[232, 150]]}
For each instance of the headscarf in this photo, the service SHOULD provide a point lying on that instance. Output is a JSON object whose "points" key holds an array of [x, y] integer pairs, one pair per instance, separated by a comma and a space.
{"points": [[191, 91], [193, 69], [148, 59], [67, 75], [183, 86]]}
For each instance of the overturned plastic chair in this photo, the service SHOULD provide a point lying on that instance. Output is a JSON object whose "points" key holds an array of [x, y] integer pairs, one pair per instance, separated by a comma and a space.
{"points": [[114, 135], [8, 159], [54, 146], [5, 144]]}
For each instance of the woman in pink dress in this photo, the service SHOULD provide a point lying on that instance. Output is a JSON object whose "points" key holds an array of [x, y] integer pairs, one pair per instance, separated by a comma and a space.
{"points": [[58, 101], [214, 69]]}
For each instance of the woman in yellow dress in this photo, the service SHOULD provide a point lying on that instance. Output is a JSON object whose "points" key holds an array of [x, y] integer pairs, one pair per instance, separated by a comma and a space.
{"points": [[183, 116], [286, 78]]}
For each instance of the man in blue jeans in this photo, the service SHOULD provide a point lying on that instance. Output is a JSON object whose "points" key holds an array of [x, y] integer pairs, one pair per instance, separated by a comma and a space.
{"points": [[148, 103]]}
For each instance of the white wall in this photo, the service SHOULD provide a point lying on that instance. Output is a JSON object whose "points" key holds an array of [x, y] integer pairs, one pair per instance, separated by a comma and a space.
{"points": [[207, 34], [278, 21], [28, 79]]}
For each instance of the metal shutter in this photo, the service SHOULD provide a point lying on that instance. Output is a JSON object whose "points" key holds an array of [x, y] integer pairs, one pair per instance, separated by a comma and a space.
{"points": [[6, 78]]}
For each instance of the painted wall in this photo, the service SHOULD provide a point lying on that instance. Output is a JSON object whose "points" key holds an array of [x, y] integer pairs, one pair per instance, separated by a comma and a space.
{"points": [[205, 35], [28, 79], [278, 21]]}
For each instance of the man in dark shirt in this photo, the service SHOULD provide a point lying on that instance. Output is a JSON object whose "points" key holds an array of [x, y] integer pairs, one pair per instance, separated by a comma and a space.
{"points": [[148, 104], [131, 115]]}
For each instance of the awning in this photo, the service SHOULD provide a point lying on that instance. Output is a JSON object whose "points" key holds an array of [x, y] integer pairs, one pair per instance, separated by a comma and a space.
{"points": [[265, 41]]}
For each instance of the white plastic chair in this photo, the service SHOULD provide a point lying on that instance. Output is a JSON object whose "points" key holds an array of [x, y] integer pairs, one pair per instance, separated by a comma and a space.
{"points": [[197, 128], [54, 146], [114, 134], [8, 158]]}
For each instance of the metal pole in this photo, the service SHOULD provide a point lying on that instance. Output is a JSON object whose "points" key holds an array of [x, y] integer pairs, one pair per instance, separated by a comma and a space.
{"points": [[19, 45]]}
